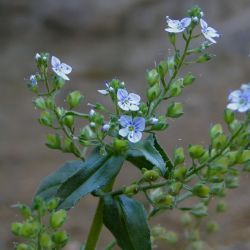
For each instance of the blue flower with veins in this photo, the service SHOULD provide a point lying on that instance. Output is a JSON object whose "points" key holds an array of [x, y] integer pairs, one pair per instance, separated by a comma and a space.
{"points": [[177, 26], [240, 99], [132, 127], [208, 32], [128, 101], [61, 69]]}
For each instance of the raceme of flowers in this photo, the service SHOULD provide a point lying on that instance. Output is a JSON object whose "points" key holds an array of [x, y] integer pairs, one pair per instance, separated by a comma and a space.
{"points": [[178, 26], [239, 100]]}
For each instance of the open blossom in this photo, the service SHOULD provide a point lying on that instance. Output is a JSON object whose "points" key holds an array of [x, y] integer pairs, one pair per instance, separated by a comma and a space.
{"points": [[33, 81], [61, 69], [177, 26], [107, 90], [240, 99], [208, 32], [128, 101], [132, 127]]}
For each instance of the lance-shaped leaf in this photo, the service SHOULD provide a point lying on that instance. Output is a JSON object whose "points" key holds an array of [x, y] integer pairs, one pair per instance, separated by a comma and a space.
{"points": [[96, 173], [127, 220], [50, 184], [149, 154]]}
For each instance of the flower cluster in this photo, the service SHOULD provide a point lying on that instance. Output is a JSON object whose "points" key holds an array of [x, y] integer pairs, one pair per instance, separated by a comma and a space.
{"points": [[240, 99], [178, 26]]}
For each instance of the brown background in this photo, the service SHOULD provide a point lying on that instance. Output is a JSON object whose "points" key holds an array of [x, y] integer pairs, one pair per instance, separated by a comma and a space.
{"points": [[102, 39]]}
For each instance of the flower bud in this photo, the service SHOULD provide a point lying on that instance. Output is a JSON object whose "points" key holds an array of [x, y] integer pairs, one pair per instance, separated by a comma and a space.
{"points": [[212, 227], [199, 210], [58, 82], [196, 151], [68, 120], [245, 156], [221, 207], [46, 119], [151, 175], [175, 188], [171, 237], [219, 141], [39, 205], [16, 227], [40, 103], [106, 127], [232, 181], [152, 77], [120, 146], [23, 246], [52, 204], [188, 79], [186, 219], [179, 156], [74, 99], [46, 241], [153, 120], [176, 87], [53, 141], [180, 173], [131, 190], [29, 229], [161, 124], [50, 102], [162, 69], [172, 38], [165, 200], [60, 238], [201, 190], [24, 210], [175, 110], [205, 57], [58, 218], [217, 189], [216, 130], [235, 125], [229, 116], [153, 92]]}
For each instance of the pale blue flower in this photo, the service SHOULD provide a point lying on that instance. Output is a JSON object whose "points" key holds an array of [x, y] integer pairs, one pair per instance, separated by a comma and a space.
{"points": [[177, 26], [106, 127], [33, 81], [132, 127], [107, 90], [92, 112], [128, 101], [208, 32], [240, 99], [61, 69], [153, 120], [37, 56]]}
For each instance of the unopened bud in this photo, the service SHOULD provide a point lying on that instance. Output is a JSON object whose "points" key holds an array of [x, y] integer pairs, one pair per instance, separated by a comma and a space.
{"points": [[216, 130], [212, 227], [53, 141], [175, 110], [60, 238], [201, 190], [58, 218], [152, 77], [46, 241], [180, 173], [221, 207], [120, 146], [131, 190], [229, 116], [45, 119], [74, 99], [204, 58], [188, 79], [196, 151], [153, 92], [151, 175], [179, 156], [175, 188], [186, 219]]}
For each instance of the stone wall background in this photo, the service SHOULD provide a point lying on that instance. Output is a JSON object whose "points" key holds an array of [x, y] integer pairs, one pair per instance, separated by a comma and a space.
{"points": [[102, 39]]}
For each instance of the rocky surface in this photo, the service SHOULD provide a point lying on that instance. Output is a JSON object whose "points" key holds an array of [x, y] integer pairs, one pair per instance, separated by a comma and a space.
{"points": [[103, 39]]}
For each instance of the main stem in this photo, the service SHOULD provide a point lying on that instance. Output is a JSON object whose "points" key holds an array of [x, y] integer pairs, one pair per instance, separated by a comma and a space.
{"points": [[96, 227]]}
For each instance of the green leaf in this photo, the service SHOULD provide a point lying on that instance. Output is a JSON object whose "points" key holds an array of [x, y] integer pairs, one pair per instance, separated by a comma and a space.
{"points": [[127, 220], [50, 184], [96, 173], [149, 154]]}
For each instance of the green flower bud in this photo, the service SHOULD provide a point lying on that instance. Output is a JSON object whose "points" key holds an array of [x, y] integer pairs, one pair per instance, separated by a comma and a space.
{"points": [[216, 130], [180, 173], [199, 210], [195, 11], [40, 103], [151, 175], [205, 57], [196, 151], [188, 79], [53, 141], [131, 190], [46, 241], [74, 99], [161, 124], [165, 200], [204, 157], [219, 141], [194, 235], [60, 238], [162, 69], [24, 210], [46, 119], [153, 92], [29, 229], [175, 110], [201, 190], [68, 120], [217, 189], [235, 125], [116, 84], [60, 112], [245, 156], [120, 146], [179, 156], [232, 181], [50, 102], [86, 133], [52, 204], [186, 219], [58, 82], [171, 237], [23, 246], [176, 87], [172, 38], [212, 227], [39, 205], [175, 188], [221, 207], [58, 218], [16, 227], [229, 116], [233, 157], [152, 77]]}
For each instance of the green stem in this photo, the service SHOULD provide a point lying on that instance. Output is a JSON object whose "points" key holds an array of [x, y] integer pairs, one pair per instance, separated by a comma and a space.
{"points": [[95, 227]]}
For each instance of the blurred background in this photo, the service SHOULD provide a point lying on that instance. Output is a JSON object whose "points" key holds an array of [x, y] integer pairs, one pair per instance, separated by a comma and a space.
{"points": [[102, 39]]}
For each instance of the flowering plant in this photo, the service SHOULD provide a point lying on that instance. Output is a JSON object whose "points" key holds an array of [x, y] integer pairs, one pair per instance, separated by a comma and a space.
{"points": [[128, 133]]}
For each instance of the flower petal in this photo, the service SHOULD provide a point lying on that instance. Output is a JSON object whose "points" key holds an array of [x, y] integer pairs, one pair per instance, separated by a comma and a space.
{"points": [[125, 120], [134, 107], [124, 106], [134, 98], [233, 106], [55, 62], [139, 123], [185, 22], [123, 132], [122, 94], [103, 91], [203, 24], [66, 69], [134, 136]]}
